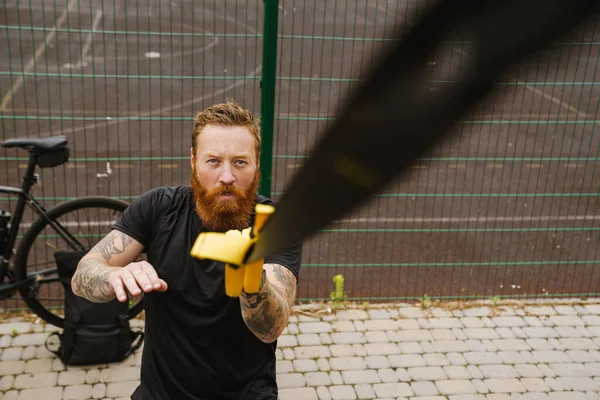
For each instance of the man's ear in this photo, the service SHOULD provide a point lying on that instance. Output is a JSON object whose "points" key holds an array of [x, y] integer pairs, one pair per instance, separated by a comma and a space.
{"points": [[192, 158]]}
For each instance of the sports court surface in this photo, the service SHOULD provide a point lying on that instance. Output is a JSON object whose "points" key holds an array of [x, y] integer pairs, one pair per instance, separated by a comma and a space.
{"points": [[508, 205]]}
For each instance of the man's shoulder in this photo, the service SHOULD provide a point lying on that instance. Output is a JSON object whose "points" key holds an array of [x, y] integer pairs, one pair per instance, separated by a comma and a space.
{"points": [[168, 192], [164, 198]]}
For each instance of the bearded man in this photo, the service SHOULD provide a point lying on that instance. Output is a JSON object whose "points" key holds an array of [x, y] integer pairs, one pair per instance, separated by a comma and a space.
{"points": [[199, 343]]}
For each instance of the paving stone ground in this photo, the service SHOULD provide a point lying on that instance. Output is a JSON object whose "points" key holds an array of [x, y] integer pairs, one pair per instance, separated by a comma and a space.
{"points": [[396, 351]]}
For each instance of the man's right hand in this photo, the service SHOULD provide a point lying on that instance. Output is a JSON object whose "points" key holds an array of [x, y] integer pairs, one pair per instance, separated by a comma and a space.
{"points": [[135, 278]]}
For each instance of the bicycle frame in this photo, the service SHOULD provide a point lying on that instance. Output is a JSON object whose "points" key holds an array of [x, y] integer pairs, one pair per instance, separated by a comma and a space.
{"points": [[6, 248]]}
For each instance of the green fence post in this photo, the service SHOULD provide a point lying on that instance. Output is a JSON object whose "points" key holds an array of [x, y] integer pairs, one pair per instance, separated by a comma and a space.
{"points": [[267, 101]]}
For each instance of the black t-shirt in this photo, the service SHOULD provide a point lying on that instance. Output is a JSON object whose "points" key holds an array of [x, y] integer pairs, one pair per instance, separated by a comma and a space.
{"points": [[197, 345]]}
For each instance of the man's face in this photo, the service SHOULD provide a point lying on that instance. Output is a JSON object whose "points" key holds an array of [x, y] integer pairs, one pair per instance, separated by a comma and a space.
{"points": [[224, 176]]}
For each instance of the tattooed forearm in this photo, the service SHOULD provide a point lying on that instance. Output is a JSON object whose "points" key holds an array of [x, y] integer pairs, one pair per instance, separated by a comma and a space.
{"points": [[113, 244], [253, 301], [91, 280], [262, 321], [266, 313], [287, 281], [114, 251]]}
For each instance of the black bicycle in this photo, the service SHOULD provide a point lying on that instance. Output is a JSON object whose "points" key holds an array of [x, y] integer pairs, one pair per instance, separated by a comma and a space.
{"points": [[74, 225]]}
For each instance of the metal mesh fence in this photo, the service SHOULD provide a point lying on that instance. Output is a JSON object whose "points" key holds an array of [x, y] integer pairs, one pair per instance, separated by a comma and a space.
{"points": [[507, 206], [123, 81]]}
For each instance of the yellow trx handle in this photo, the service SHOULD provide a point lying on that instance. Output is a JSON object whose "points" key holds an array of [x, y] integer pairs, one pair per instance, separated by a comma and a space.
{"points": [[232, 247]]}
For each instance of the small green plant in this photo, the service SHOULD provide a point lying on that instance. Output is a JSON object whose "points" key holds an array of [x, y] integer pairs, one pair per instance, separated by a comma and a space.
{"points": [[366, 305], [495, 300], [338, 295], [425, 301], [14, 333]]}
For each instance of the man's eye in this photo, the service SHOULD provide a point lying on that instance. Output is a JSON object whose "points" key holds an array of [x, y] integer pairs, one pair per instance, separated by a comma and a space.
{"points": [[240, 162], [212, 161]]}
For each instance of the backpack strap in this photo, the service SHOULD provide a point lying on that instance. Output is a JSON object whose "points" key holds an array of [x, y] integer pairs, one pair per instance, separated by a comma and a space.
{"points": [[128, 335], [57, 352], [66, 340], [139, 335]]}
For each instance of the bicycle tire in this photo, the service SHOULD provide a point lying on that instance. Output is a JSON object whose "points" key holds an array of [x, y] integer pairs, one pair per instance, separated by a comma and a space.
{"points": [[29, 239]]}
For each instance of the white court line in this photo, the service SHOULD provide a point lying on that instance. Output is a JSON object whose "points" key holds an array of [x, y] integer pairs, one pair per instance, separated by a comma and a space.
{"points": [[227, 88], [482, 117], [536, 90], [27, 225], [100, 59], [400, 220], [209, 46], [281, 115], [474, 219], [554, 99], [161, 110], [32, 61], [88, 41]]}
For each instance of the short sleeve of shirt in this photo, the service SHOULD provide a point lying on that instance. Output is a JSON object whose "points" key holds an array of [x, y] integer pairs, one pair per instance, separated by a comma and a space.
{"points": [[289, 258], [138, 219]]}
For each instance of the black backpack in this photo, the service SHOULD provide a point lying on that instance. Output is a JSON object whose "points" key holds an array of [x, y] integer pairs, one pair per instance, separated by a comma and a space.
{"points": [[94, 333]]}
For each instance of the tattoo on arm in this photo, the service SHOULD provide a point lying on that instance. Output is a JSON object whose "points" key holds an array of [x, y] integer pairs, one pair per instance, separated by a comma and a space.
{"points": [[287, 280], [114, 243], [252, 301], [91, 280], [262, 321], [266, 312]]}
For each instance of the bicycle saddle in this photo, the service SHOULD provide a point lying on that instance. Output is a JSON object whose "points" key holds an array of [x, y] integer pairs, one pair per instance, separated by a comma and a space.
{"points": [[44, 144]]}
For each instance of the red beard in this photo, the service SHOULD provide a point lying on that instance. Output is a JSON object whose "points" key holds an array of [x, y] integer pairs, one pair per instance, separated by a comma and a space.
{"points": [[220, 215]]}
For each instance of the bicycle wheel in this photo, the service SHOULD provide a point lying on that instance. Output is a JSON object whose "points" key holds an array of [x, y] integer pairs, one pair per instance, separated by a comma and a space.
{"points": [[87, 220]]}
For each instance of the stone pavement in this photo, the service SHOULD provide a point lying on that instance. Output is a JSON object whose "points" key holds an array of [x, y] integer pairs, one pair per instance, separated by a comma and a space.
{"points": [[523, 351]]}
